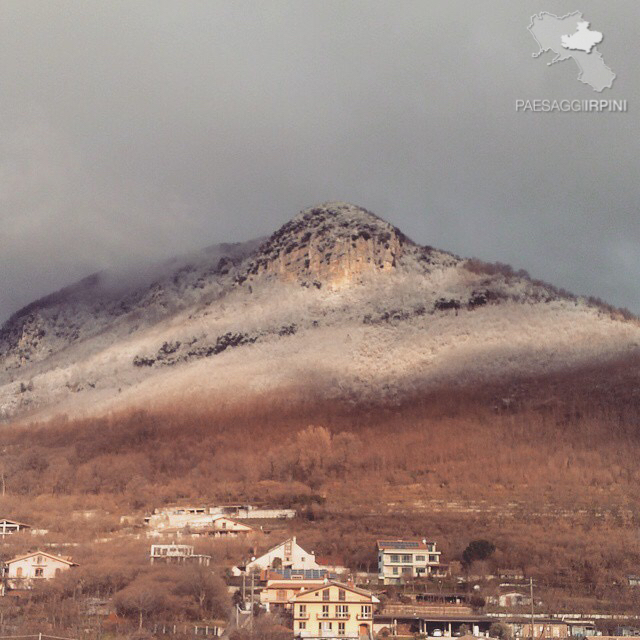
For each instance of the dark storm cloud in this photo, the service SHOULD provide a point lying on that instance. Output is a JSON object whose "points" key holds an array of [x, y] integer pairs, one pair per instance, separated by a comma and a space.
{"points": [[138, 130]]}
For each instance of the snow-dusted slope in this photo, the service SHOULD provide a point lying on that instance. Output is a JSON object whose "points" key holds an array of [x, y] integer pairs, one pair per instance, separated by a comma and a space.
{"points": [[337, 300]]}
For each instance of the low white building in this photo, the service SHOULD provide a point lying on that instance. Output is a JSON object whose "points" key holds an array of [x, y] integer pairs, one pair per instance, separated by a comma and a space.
{"points": [[514, 599], [24, 571], [286, 555], [190, 516], [197, 522], [400, 560], [177, 554], [9, 527], [219, 526]]}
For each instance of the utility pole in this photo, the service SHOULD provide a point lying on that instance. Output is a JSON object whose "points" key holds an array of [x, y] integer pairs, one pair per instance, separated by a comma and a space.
{"points": [[252, 575], [533, 632]]}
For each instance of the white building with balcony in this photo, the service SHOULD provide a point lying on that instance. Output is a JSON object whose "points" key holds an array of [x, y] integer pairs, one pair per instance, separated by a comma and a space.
{"points": [[402, 560]]}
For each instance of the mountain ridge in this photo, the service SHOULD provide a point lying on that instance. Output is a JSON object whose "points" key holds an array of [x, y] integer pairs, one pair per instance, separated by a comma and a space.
{"points": [[337, 296]]}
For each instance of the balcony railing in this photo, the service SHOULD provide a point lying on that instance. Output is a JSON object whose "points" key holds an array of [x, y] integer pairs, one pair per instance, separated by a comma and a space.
{"points": [[327, 634]]}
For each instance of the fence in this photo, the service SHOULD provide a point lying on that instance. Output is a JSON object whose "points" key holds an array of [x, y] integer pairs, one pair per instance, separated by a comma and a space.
{"points": [[196, 630], [38, 636]]}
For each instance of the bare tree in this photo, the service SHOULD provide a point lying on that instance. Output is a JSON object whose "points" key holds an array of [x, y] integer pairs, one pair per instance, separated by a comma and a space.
{"points": [[140, 598]]}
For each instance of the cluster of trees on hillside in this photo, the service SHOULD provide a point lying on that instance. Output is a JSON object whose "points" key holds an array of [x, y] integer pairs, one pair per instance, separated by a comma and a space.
{"points": [[141, 593], [553, 461]]}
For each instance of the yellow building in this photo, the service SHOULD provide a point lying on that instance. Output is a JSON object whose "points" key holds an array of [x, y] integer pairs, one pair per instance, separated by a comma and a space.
{"points": [[333, 610]]}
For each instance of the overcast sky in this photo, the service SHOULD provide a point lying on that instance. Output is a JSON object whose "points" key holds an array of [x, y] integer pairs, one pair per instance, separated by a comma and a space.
{"points": [[143, 129]]}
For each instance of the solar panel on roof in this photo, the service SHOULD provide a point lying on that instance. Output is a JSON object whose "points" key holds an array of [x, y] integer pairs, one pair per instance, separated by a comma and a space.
{"points": [[307, 574], [400, 544]]}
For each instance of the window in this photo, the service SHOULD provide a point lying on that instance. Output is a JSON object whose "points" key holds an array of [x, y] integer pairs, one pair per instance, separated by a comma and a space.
{"points": [[281, 594], [342, 611], [303, 610], [58, 571], [325, 626], [406, 558], [395, 571], [431, 547], [341, 628], [420, 558], [395, 558], [365, 611], [19, 572], [39, 572], [325, 594], [302, 625], [325, 611], [39, 560], [433, 558], [341, 594]]}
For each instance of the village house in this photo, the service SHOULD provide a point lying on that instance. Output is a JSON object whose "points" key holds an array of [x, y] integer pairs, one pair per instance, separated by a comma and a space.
{"points": [[177, 554], [286, 555], [276, 595], [542, 628], [219, 526], [400, 560], [333, 610], [583, 628], [9, 527], [24, 571], [626, 630]]}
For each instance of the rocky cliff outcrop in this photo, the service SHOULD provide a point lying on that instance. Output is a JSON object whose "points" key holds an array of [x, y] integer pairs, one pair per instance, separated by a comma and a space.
{"points": [[332, 244]]}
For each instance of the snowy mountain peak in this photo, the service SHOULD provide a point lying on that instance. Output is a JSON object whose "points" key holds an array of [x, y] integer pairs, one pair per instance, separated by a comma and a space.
{"points": [[337, 300], [332, 243]]}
